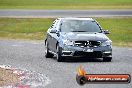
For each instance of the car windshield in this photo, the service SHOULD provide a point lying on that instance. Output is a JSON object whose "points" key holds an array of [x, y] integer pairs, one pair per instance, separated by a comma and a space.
{"points": [[79, 26]]}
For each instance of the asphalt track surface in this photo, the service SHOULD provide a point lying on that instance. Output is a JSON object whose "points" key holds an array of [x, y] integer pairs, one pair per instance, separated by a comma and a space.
{"points": [[30, 55], [64, 13]]}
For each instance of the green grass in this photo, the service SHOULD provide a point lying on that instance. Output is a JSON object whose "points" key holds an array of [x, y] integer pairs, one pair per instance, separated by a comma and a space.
{"points": [[35, 28], [23, 28], [120, 28], [65, 4]]}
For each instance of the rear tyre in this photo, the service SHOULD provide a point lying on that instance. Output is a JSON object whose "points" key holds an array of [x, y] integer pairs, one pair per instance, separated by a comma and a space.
{"points": [[47, 53], [107, 59], [59, 57]]}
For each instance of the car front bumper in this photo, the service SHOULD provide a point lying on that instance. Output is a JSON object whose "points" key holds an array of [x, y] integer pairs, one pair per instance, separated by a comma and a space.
{"points": [[97, 52]]}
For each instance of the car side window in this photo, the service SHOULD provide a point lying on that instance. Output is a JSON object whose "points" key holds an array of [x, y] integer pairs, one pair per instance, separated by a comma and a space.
{"points": [[53, 24]]}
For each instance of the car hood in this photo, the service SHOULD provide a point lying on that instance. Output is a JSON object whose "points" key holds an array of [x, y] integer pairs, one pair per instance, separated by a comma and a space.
{"points": [[84, 36]]}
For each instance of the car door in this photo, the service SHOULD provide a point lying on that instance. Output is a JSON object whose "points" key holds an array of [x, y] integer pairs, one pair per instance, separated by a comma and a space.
{"points": [[53, 37]]}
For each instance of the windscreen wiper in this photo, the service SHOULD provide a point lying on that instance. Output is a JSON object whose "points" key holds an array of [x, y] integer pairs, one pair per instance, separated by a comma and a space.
{"points": [[78, 31]]}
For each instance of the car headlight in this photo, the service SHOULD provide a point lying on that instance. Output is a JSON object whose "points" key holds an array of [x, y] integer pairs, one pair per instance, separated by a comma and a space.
{"points": [[107, 43], [68, 42]]}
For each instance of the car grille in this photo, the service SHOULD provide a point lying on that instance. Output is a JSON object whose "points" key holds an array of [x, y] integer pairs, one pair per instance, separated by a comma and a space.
{"points": [[88, 54], [87, 43]]}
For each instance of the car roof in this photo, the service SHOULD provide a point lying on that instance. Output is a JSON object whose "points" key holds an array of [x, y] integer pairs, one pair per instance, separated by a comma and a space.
{"points": [[71, 18]]}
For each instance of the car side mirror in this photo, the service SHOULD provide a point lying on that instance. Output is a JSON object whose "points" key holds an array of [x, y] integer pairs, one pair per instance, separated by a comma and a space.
{"points": [[53, 31], [106, 32]]}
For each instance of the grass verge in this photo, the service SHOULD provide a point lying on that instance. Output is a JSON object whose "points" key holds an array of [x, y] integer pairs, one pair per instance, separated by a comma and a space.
{"points": [[15, 28], [65, 4], [35, 28], [120, 28]]}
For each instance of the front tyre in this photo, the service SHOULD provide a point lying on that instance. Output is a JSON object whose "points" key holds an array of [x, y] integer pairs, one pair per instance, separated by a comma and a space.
{"points": [[59, 56], [107, 59], [47, 53]]}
